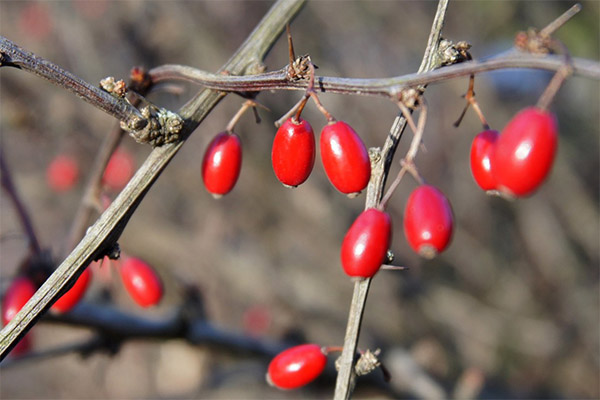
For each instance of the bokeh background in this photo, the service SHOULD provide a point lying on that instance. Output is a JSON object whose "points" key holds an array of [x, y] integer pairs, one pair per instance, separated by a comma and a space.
{"points": [[513, 303]]}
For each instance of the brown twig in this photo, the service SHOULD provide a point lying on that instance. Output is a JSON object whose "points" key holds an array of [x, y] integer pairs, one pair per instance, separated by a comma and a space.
{"points": [[14, 56]]}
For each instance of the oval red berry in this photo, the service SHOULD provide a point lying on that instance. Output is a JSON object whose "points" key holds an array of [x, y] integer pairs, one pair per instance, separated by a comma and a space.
{"points": [[481, 164], [345, 158], [18, 293], [141, 281], [62, 173], [524, 152], [293, 152], [222, 163], [428, 221], [68, 300], [119, 170], [366, 243], [296, 366]]}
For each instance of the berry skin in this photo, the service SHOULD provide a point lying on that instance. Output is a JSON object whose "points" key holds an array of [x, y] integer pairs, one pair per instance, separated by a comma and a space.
{"points": [[524, 152], [18, 293], [68, 300], [293, 153], [428, 221], [222, 163], [141, 281], [345, 158], [62, 173], [366, 243], [481, 164], [296, 366], [119, 170]]}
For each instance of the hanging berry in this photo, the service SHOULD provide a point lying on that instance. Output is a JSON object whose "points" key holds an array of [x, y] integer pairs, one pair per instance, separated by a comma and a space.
{"points": [[141, 281], [222, 163], [524, 152], [18, 293], [68, 300], [366, 243], [293, 153], [296, 366], [481, 165], [428, 221], [345, 158]]}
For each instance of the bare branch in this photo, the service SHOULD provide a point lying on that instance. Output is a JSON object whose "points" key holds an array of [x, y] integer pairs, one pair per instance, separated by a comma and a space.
{"points": [[14, 56], [380, 161]]}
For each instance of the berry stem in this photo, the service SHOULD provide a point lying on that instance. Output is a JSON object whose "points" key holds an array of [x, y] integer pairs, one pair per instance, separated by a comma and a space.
{"points": [[470, 97], [557, 80], [247, 104]]}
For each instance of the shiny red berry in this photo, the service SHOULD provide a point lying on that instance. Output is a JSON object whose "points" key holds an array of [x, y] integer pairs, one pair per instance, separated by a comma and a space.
{"points": [[18, 293], [366, 243], [345, 158], [428, 221], [62, 173], [481, 164], [296, 366], [524, 152], [222, 163], [68, 300], [141, 281], [119, 170], [293, 153]]}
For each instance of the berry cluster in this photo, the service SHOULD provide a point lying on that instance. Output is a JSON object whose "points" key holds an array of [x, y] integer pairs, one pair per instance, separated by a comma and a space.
{"points": [[140, 280], [516, 161]]}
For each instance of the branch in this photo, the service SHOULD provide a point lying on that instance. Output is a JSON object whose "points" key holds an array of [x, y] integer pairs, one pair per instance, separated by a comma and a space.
{"points": [[386, 87], [101, 236], [13, 56], [380, 161]]}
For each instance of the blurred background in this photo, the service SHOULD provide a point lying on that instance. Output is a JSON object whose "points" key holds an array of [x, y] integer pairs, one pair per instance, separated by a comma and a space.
{"points": [[512, 306]]}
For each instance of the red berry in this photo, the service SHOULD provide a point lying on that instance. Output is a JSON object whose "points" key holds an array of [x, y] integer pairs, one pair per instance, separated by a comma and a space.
{"points": [[141, 281], [293, 153], [428, 221], [18, 293], [62, 173], [68, 300], [222, 163], [296, 366], [119, 170], [366, 243], [345, 158], [481, 165], [524, 152]]}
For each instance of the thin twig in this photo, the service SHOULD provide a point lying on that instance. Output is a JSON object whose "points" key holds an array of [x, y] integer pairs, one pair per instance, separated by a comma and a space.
{"points": [[382, 161], [101, 236], [11, 190], [382, 87], [14, 56]]}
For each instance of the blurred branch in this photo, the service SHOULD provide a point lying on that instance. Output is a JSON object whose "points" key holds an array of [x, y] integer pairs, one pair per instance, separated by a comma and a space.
{"points": [[101, 236], [381, 162], [386, 87], [11, 191]]}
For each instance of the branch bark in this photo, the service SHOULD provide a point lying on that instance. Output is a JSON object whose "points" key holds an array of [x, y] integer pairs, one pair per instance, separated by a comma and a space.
{"points": [[380, 161], [104, 233]]}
